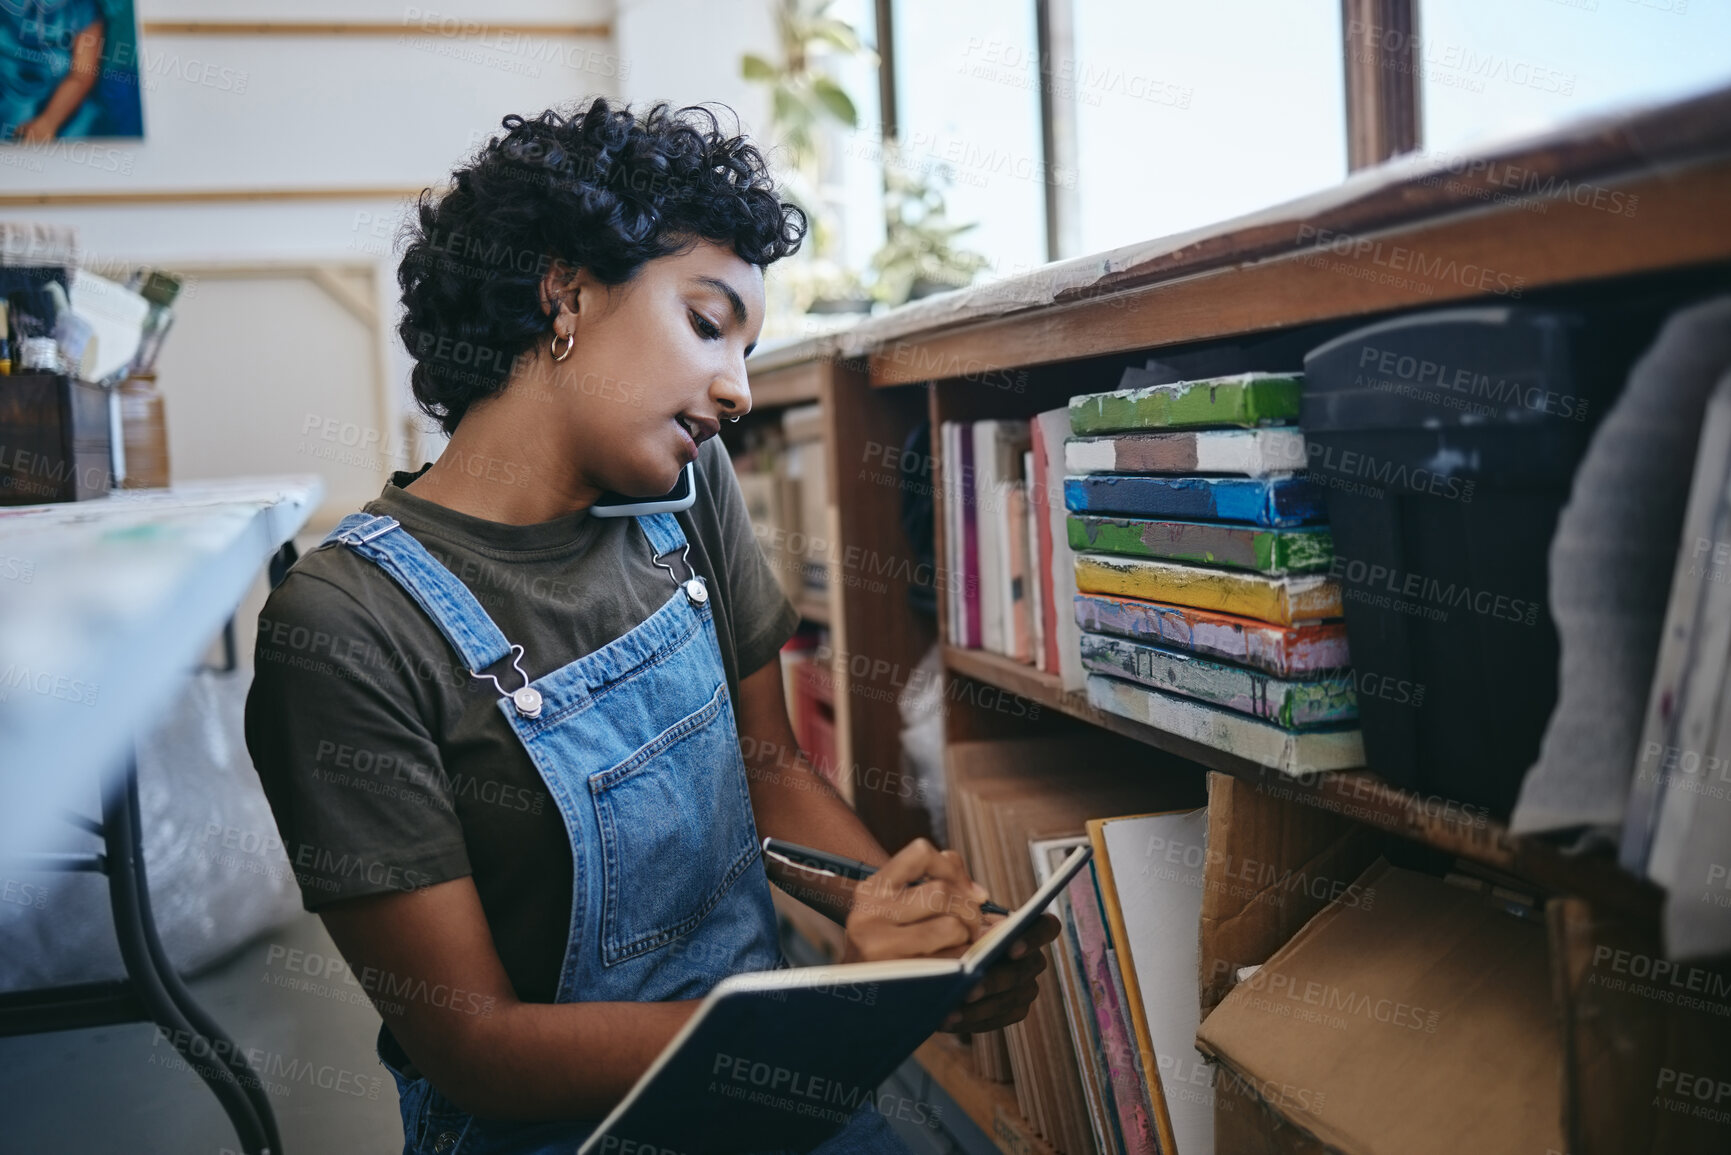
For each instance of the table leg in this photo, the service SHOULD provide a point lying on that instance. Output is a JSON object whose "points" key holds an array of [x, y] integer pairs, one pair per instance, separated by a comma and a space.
{"points": [[204, 1046]]}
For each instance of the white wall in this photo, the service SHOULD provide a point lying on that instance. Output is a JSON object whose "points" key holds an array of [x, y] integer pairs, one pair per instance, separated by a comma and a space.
{"points": [[379, 115]]}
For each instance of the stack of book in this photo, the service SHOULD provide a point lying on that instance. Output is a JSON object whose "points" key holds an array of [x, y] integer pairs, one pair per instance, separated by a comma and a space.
{"points": [[1005, 544], [1200, 551]]}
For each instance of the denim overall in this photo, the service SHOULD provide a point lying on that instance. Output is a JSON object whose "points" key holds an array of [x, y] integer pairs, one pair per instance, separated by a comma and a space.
{"points": [[638, 746]]}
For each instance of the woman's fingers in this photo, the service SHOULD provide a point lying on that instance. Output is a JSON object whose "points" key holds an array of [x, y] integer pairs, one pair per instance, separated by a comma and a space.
{"points": [[918, 883]]}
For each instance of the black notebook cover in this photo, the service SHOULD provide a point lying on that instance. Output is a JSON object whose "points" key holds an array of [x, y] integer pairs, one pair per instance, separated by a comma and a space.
{"points": [[782, 1059]]}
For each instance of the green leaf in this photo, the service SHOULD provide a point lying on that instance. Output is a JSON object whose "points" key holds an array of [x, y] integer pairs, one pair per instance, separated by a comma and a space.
{"points": [[830, 94], [836, 32], [754, 67]]}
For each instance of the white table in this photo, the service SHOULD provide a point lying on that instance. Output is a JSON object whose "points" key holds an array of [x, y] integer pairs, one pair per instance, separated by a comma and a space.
{"points": [[105, 606]]}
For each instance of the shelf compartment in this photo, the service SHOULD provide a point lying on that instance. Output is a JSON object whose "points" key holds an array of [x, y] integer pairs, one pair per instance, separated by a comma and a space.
{"points": [[1441, 824]]}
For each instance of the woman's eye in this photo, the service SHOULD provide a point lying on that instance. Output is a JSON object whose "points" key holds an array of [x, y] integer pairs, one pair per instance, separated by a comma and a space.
{"points": [[705, 326]]}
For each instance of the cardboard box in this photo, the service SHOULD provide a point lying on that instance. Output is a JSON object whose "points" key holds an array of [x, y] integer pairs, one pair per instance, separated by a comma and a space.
{"points": [[1419, 1023], [1272, 865]]}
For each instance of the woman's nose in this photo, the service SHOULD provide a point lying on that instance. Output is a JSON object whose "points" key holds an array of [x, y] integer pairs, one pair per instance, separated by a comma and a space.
{"points": [[732, 393]]}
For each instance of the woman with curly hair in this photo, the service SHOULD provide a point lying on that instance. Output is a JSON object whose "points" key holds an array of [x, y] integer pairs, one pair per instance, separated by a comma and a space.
{"points": [[520, 753]]}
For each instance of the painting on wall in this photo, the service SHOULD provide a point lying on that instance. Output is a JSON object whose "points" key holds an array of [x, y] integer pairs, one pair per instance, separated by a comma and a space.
{"points": [[68, 69]]}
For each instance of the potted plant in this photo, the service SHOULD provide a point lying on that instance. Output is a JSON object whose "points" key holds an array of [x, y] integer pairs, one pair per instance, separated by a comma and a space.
{"points": [[919, 255], [805, 97]]}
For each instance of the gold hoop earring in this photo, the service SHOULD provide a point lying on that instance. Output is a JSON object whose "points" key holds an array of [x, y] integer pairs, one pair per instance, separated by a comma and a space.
{"points": [[558, 353]]}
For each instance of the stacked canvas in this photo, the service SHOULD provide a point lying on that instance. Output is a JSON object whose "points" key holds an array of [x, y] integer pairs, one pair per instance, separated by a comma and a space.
{"points": [[1200, 559]]}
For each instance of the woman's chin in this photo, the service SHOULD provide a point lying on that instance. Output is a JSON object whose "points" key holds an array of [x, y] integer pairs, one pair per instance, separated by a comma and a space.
{"points": [[647, 484]]}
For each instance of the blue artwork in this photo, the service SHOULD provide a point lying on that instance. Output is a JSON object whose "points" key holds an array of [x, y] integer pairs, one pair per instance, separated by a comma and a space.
{"points": [[68, 69]]}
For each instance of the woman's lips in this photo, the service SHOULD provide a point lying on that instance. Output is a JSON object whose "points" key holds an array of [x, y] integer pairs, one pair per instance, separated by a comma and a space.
{"points": [[689, 445]]}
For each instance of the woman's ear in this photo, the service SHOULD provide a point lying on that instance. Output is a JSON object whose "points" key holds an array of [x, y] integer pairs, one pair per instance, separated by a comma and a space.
{"points": [[559, 286]]}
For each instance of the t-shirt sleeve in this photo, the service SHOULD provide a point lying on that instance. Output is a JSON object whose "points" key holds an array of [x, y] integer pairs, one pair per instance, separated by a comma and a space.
{"points": [[337, 732], [762, 617]]}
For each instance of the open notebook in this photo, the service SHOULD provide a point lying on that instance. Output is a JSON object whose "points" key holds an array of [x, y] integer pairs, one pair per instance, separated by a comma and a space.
{"points": [[781, 1059]]}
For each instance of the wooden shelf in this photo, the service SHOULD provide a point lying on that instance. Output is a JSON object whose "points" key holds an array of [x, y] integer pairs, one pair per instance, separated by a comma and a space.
{"points": [[1453, 828], [791, 385], [813, 609]]}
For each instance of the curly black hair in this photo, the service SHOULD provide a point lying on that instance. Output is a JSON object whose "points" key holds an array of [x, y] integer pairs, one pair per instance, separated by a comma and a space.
{"points": [[603, 189]]}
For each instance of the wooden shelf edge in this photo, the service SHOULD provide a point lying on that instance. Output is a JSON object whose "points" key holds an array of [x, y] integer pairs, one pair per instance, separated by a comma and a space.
{"points": [[813, 610], [795, 384], [1454, 828], [992, 1106]]}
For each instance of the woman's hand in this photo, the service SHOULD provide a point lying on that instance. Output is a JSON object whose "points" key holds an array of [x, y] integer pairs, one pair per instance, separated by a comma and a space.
{"points": [[940, 918], [1009, 988], [892, 918]]}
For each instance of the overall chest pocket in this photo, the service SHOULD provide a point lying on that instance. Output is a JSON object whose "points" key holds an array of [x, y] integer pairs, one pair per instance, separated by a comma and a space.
{"points": [[676, 831]]}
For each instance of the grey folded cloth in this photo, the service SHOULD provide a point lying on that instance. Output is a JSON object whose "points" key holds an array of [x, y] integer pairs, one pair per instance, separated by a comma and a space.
{"points": [[1611, 563]]}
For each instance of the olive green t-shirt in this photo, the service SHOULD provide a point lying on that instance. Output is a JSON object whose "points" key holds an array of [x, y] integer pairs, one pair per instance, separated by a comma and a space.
{"points": [[389, 767]]}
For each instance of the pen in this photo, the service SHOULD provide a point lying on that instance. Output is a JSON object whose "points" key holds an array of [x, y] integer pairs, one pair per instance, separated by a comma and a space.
{"points": [[823, 862]]}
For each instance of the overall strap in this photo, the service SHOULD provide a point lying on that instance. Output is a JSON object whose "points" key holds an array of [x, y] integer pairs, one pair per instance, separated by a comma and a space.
{"points": [[447, 601], [663, 532]]}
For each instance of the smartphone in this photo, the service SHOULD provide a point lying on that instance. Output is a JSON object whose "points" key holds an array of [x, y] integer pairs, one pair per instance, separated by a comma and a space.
{"points": [[681, 496]]}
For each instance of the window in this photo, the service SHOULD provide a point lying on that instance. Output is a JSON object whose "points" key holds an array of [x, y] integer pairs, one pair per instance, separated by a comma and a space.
{"points": [[1188, 114], [967, 93], [1169, 116], [1492, 68]]}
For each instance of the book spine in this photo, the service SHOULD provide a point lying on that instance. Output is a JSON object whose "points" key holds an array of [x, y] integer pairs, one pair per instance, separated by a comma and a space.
{"points": [[950, 464], [1289, 651], [1268, 551], [1059, 571], [1290, 752], [1293, 704], [1247, 400], [970, 539], [1130, 1091], [1281, 600], [1034, 518], [1251, 452], [1267, 501], [1020, 590], [1124, 975]]}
